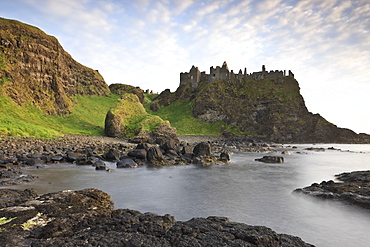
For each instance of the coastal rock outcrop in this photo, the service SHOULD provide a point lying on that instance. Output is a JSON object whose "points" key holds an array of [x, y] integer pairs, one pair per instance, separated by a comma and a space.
{"points": [[354, 188], [127, 118], [261, 103], [86, 217]]}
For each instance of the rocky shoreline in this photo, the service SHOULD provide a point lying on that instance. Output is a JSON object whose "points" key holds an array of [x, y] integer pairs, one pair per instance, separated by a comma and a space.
{"points": [[87, 218], [17, 153], [352, 188]]}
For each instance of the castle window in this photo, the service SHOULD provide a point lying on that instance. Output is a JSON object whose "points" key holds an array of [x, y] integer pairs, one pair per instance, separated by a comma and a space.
{"points": [[192, 77]]}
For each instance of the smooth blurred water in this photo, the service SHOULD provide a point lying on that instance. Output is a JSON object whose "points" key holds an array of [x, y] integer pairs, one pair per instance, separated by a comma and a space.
{"points": [[245, 191]]}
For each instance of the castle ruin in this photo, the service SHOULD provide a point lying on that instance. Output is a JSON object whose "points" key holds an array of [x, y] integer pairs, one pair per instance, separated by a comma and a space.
{"points": [[222, 73]]}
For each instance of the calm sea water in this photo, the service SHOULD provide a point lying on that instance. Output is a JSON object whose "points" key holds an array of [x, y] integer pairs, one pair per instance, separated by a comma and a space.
{"points": [[244, 190]]}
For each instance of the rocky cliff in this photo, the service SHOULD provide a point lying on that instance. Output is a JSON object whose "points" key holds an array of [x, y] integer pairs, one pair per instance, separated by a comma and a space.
{"points": [[35, 69], [273, 108]]}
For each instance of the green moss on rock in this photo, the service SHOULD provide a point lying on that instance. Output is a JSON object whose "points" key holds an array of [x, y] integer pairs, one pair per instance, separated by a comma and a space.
{"points": [[127, 117]]}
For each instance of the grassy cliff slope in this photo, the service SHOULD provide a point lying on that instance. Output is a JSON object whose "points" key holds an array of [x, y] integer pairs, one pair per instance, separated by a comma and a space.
{"points": [[87, 117]]}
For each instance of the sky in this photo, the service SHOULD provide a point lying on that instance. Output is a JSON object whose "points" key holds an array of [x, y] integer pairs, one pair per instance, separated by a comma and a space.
{"points": [[147, 43]]}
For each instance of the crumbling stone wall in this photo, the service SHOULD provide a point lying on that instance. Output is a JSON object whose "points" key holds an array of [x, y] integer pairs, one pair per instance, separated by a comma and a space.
{"points": [[194, 76]]}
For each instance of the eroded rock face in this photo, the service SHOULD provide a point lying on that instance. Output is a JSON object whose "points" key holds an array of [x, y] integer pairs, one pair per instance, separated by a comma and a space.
{"points": [[30, 57], [86, 217]]}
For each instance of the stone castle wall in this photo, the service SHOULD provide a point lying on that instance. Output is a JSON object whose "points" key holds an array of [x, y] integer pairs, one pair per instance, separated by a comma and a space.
{"points": [[194, 76]]}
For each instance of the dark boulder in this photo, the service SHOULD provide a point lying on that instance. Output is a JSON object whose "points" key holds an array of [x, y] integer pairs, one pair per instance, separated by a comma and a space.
{"points": [[100, 165], [112, 154], [202, 149], [126, 163], [71, 157], [138, 153], [187, 149], [271, 159], [171, 153], [145, 146], [57, 158], [34, 162], [169, 145], [154, 154], [224, 157], [83, 160]]}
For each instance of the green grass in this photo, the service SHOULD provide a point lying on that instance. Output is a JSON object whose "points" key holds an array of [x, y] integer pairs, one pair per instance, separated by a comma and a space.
{"points": [[87, 118], [133, 115], [179, 115]]}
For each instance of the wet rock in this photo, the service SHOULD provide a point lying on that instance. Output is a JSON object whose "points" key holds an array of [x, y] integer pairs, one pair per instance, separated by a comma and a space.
{"points": [[71, 157], [187, 149], [315, 149], [171, 153], [126, 163], [169, 145], [57, 158], [14, 176], [100, 165], [138, 153], [34, 162], [202, 149], [154, 155], [271, 159], [86, 217], [112, 154], [354, 188], [224, 157]]}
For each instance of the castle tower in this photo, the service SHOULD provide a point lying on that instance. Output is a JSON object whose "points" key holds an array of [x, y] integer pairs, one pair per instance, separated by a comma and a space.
{"points": [[224, 72], [194, 75]]}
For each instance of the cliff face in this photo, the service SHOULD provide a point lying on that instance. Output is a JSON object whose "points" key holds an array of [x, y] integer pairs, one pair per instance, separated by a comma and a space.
{"points": [[269, 107], [35, 69]]}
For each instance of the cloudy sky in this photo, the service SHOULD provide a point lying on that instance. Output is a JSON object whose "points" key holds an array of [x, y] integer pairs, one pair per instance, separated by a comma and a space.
{"points": [[147, 43]]}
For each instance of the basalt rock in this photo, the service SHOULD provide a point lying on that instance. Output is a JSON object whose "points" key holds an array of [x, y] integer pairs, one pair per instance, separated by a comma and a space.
{"points": [[86, 217], [126, 163], [354, 188], [154, 155], [271, 159], [202, 149]]}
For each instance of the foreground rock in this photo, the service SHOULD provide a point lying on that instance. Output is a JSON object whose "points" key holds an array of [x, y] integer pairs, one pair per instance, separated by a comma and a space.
{"points": [[354, 188], [271, 159], [87, 218]]}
